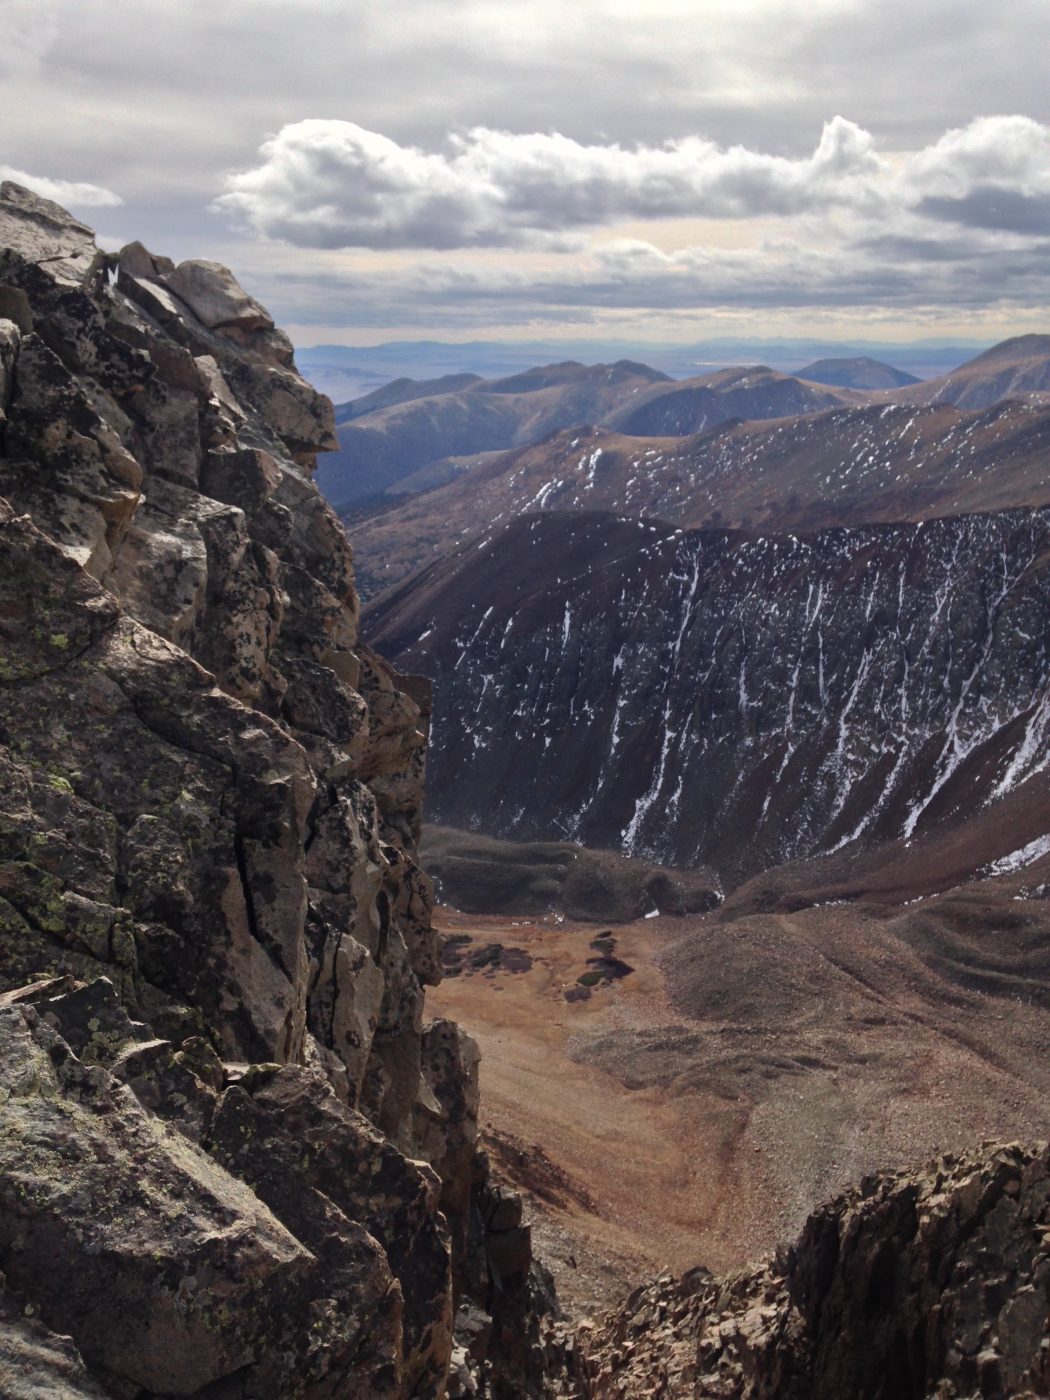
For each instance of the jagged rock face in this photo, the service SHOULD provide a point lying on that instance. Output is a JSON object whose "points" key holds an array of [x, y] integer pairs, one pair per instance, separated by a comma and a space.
{"points": [[190, 503], [211, 798], [910, 1287], [740, 701]]}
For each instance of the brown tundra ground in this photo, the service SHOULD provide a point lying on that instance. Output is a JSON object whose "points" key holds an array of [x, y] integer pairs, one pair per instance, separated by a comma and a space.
{"points": [[696, 1109]]}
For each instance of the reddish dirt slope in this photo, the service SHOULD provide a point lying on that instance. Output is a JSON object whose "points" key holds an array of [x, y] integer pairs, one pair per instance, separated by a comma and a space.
{"points": [[695, 1110]]}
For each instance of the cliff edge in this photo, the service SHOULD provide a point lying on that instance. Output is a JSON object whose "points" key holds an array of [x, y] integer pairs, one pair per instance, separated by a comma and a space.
{"points": [[235, 1160]]}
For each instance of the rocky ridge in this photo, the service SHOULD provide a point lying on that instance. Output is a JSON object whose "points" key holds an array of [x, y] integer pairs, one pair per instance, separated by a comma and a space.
{"points": [[235, 1159], [926, 1285]]}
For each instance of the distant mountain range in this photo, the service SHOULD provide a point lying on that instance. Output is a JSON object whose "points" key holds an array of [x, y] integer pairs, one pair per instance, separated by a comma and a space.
{"points": [[860, 372], [346, 372], [770, 639], [413, 425], [413, 435], [873, 463]]}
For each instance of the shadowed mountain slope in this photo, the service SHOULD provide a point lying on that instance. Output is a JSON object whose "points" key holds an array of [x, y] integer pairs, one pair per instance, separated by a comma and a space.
{"points": [[691, 405], [402, 391], [730, 699]]}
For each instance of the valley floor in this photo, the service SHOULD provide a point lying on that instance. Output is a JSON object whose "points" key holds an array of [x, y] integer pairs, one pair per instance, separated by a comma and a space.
{"points": [[695, 1111], [611, 1171]]}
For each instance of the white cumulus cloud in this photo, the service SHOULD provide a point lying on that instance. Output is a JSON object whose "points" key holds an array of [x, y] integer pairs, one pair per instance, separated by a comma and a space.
{"points": [[75, 193], [333, 184], [498, 228]]}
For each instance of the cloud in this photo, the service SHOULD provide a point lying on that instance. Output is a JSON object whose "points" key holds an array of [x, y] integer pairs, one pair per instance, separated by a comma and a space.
{"points": [[333, 184], [962, 222], [75, 193], [992, 207], [1008, 152], [632, 278], [29, 28]]}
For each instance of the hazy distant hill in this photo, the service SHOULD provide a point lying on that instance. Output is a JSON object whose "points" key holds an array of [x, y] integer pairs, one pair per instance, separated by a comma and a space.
{"points": [[1016, 368], [394, 441], [874, 463], [345, 372], [691, 405], [860, 372], [402, 391]]}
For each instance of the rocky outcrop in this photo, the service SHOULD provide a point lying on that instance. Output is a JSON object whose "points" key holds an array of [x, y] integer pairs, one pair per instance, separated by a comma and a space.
{"points": [[734, 700], [479, 875], [234, 1160], [936, 1284]]}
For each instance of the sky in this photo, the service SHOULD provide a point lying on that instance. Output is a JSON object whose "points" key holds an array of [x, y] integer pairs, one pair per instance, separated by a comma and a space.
{"points": [[460, 169]]}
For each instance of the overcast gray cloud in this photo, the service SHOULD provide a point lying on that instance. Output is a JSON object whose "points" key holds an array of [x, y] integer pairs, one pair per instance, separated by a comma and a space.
{"points": [[502, 129], [896, 275]]}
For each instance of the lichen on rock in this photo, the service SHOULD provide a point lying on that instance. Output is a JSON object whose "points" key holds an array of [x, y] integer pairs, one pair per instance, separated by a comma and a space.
{"points": [[230, 1159]]}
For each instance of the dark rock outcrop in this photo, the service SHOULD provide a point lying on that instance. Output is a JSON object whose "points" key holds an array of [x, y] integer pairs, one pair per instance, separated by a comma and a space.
{"points": [[935, 1284], [228, 1132], [481, 875]]}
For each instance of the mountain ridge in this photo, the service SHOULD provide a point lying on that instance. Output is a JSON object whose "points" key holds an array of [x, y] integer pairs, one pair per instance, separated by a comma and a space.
{"points": [[846, 466]]}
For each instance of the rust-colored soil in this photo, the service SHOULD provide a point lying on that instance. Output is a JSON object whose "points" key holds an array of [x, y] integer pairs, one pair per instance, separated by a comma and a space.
{"points": [[630, 1204], [696, 1110]]}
